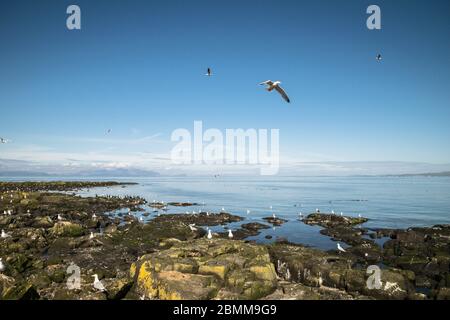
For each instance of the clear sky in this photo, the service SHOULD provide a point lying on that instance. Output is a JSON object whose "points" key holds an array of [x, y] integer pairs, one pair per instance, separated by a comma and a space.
{"points": [[137, 67]]}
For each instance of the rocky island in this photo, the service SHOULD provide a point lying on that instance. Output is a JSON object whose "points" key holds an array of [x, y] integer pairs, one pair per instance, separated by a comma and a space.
{"points": [[53, 242]]}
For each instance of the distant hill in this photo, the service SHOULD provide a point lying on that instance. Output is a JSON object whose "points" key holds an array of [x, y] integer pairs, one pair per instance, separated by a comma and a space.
{"points": [[23, 174], [431, 174], [85, 173], [118, 173]]}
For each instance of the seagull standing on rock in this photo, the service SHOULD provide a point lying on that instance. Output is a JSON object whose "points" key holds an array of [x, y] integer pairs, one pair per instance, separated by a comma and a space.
{"points": [[340, 248], [209, 234], [91, 236], [98, 284], [4, 235], [270, 85], [2, 266], [230, 234]]}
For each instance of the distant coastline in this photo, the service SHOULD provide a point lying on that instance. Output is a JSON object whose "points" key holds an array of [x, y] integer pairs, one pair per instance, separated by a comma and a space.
{"points": [[429, 174]]}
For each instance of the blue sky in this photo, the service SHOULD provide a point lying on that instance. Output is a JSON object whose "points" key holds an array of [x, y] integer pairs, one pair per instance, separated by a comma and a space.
{"points": [[138, 67]]}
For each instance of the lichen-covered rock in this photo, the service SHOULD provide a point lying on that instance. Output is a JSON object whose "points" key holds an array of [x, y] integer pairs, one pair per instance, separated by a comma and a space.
{"points": [[67, 229], [24, 291], [199, 269], [332, 220], [316, 268]]}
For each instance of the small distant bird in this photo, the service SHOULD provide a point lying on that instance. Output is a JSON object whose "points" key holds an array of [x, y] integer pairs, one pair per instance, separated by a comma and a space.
{"points": [[3, 141], [317, 211], [98, 284], [366, 255], [94, 216], [274, 216], [379, 57], [332, 211], [248, 211], [359, 215], [91, 236], [192, 227], [300, 215], [4, 234], [109, 131], [276, 85], [230, 234], [141, 219], [2, 266], [223, 210], [342, 214], [208, 72], [59, 217], [209, 234], [340, 248], [207, 213]]}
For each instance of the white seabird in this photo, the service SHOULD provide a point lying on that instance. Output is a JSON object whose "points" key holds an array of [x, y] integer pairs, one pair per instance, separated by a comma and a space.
{"points": [[98, 284], [340, 248], [209, 234], [192, 227], [379, 57], [276, 85], [248, 211], [59, 217], [91, 236], [94, 216], [2, 266], [3, 141], [230, 234], [4, 234]]}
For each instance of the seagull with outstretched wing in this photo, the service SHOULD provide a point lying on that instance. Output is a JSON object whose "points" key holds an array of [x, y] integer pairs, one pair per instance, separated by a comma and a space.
{"points": [[270, 85]]}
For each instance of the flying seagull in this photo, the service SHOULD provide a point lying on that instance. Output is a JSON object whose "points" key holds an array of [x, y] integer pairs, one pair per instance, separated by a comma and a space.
{"points": [[379, 58], [2, 141], [270, 85], [208, 72]]}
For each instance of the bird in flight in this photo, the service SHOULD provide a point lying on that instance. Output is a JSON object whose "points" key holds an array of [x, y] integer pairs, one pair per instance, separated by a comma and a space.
{"points": [[208, 72], [379, 57], [2, 140], [276, 85]]}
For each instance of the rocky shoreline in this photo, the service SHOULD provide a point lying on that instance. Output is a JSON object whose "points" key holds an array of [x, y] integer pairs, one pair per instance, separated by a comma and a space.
{"points": [[54, 242]]}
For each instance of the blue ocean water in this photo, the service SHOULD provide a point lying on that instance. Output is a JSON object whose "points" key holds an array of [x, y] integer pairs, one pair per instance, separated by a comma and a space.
{"points": [[389, 202]]}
